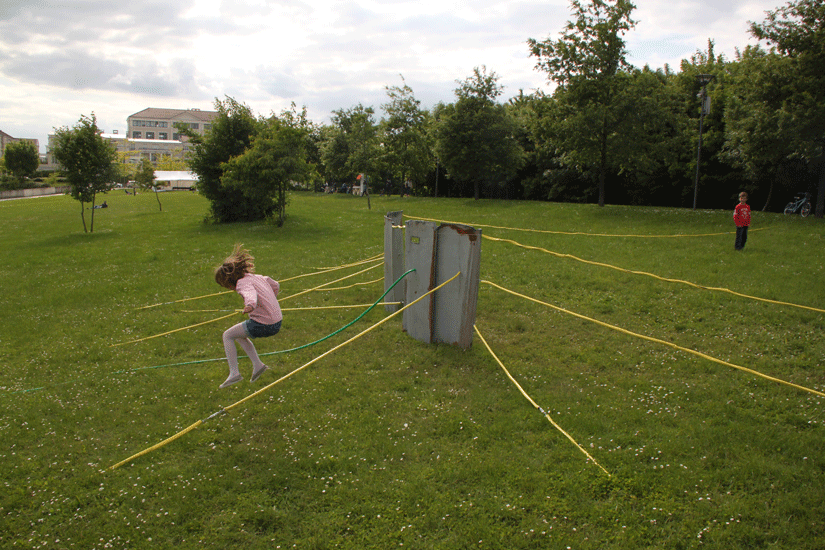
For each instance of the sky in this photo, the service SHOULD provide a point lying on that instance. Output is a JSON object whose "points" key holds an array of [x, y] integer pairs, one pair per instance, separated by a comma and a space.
{"points": [[60, 59]]}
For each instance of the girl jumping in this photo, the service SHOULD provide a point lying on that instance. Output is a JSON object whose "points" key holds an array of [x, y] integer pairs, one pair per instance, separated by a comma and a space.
{"points": [[260, 302]]}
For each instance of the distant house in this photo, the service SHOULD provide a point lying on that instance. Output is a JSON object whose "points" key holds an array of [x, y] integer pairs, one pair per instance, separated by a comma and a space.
{"points": [[5, 139], [153, 133], [164, 124]]}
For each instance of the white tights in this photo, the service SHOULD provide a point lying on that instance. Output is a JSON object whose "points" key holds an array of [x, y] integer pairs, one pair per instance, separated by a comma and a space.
{"points": [[230, 336]]}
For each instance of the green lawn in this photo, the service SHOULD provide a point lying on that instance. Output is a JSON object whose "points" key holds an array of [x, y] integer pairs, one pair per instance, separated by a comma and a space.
{"points": [[389, 442]]}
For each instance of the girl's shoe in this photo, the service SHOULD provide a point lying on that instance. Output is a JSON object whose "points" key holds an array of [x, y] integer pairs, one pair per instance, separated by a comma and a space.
{"points": [[231, 380], [257, 373]]}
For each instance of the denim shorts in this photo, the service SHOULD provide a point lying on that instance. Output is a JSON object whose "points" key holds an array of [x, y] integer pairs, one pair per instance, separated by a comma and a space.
{"points": [[254, 329]]}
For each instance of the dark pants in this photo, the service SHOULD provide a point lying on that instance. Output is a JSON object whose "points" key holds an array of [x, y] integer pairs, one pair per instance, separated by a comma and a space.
{"points": [[741, 237]]}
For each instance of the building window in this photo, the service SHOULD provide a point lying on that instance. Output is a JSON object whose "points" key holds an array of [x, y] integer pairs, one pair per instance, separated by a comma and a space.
{"points": [[150, 135], [162, 125], [135, 135], [176, 137], [194, 125], [163, 135]]}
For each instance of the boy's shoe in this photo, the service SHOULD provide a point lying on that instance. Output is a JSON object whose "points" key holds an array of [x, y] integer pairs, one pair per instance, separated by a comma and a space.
{"points": [[231, 380], [258, 372]]}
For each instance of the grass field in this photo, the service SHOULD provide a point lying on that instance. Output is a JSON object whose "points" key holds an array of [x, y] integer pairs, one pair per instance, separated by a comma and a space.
{"points": [[388, 442]]}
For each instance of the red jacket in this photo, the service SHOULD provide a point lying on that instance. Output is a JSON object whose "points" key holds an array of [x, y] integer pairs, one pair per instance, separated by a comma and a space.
{"points": [[742, 215]]}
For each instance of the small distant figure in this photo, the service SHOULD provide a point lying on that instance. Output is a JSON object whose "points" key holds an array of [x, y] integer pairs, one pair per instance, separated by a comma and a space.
{"points": [[742, 218], [104, 205], [260, 298]]}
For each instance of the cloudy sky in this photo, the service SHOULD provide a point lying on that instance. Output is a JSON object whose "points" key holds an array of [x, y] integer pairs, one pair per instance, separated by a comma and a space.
{"points": [[63, 58]]}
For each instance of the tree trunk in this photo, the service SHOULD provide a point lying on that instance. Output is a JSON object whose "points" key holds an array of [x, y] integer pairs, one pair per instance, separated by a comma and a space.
{"points": [[820, 195], [92, 224], [83, 215], [158, 198], [768, 200], [435, 191], [603, 161]]}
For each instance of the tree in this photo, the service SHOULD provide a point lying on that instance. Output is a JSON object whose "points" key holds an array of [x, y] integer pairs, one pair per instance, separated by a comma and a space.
{"points": [[476, 136], [759, 137], [585, 63], [21, 159], [145, 178], [797, 31], [126, 164], [354, 148], [312, 132], [262, 173], [231, 135], [406, 148], [87, 161], [171, 162]]}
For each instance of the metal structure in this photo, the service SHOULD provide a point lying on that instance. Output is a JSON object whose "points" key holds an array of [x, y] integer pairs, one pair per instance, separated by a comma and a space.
{"points": [[393, 258], [437, 252]]}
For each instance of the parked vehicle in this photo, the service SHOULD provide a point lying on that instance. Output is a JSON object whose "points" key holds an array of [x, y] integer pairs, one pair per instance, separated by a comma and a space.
{"points": [[801, 204]]}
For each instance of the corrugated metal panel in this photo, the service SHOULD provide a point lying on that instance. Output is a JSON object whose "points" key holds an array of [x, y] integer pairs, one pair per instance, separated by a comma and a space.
{"points": [[420, 249], [458, 249], [394, 258]]}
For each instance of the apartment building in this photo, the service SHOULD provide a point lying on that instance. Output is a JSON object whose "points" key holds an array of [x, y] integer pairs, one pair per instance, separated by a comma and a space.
{"points": [[164, 124], [152, 133], [5, 139]]}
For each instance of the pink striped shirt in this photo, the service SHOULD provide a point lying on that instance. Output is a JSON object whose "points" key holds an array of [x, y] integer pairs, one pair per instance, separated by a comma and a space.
{"points": [[260, 292]]}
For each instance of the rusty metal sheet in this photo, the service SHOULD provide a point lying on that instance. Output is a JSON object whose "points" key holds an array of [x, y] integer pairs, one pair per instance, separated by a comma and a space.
{"points": [[394, 258], [458, 249], [420, 245]]}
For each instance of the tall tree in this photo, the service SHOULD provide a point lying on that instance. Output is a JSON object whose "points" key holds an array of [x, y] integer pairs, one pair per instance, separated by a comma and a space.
{"points": [[759, 137], [797, 31], [21, 159], [352, 146], [231, 135], [585, 62], [312, 132], [262, 174], [406, 148], [720, 177], [476, 136], [145, 178], [88, 162]]}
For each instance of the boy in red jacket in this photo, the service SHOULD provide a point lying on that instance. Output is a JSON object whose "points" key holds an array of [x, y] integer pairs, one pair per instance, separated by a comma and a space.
{"points": [[742, 218]]}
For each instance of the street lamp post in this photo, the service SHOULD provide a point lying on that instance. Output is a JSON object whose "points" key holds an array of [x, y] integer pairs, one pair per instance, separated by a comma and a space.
{"points": [[704, 80]]}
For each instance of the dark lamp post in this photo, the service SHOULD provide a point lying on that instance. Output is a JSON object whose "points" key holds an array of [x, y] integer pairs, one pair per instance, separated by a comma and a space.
{"points": [[703, 80]]}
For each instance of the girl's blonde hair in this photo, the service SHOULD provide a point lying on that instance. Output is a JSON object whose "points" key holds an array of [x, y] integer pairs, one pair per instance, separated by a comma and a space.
{"points": [[233, 268]]}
